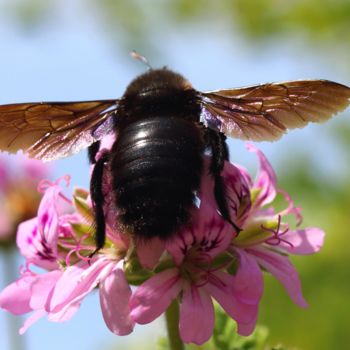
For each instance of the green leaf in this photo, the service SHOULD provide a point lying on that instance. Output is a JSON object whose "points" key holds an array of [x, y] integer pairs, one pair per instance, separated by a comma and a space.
{"points": [[225, 335], [83, 208]]}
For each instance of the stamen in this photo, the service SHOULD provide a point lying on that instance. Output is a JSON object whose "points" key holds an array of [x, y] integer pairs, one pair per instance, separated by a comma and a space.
{"points": [[45, 184], [291, 209], [25, 270], [276, 239], [77, 250]]}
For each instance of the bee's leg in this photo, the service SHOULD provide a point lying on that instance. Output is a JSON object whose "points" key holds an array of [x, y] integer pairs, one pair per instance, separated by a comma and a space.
{"points": [[219, 149], [92, 151], [97, 198]]}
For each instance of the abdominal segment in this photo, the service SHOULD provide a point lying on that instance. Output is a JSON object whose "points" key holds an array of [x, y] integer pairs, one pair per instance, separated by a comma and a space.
{"points": [[156, 166]]}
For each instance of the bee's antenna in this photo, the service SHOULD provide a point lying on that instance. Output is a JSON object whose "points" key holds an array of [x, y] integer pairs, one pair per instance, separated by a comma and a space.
{"points": [[135, 55]]}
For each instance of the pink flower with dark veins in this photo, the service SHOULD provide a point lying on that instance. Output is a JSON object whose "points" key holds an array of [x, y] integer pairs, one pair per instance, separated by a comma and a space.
{"points": [[59, 240], [198, 276], [265, 240]]}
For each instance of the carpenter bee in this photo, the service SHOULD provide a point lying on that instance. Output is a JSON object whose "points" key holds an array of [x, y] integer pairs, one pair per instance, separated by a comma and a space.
{"points": [[163, 126]]}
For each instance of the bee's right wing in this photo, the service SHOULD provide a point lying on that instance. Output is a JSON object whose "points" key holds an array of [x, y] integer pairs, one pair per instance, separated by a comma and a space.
{"points": [[265, 112], [52, 130]]}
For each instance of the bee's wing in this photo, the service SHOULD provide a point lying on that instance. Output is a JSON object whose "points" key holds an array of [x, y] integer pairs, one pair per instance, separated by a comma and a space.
{"points": [[53, 130], [265, 112]]}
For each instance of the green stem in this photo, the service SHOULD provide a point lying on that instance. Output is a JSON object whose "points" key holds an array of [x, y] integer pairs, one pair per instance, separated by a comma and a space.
{"points": [[172, 323]]}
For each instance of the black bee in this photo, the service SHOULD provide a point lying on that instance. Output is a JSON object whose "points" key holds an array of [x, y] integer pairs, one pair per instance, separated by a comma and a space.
{"points": [[163, 126]]}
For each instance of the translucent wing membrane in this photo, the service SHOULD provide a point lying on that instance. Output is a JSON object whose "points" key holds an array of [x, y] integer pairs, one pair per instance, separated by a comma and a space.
{"points": [[265, 112], [53, 130]]}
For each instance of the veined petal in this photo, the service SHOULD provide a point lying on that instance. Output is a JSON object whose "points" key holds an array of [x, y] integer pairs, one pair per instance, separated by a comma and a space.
{"points": [[155, 295], [48, 218], [209, 234], [217, 233], [77, 281], [279, 266], [303, 242], [29, 242], [115, 294], [196, 315], [221, 286]]}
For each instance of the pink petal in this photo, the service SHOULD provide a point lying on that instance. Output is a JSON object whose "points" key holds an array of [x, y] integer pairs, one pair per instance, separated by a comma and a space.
{"points": [[66, 313], [31, 320], [221, 287], [155, 295], [115, 294], [15, 297], [42, 287], [48, 217], [279, 266], [266, 179], [245, 174], [196, 315], [304, 242], [217, 233], [248, 281], [246, 329], [76, 282], [26, 238], [237, 191], [236, 188], [149, 252]]}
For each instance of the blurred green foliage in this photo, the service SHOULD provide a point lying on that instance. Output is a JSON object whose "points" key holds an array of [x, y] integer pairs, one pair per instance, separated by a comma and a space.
{"points": [[323, 23]]}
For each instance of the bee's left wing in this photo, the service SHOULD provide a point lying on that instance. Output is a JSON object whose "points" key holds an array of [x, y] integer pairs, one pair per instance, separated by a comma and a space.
{"points": [[52, 130], [265, 112]]}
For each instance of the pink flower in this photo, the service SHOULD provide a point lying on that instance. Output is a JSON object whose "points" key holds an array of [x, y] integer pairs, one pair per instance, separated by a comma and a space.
{"points": [[80, 279], [37, 238], [206, 260], [27, 294], [265, 240], [198, 276], [58, 240]]}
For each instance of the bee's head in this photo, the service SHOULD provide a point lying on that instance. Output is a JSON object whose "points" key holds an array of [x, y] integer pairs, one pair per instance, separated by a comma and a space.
{"points": [[157, 81], [159, 92]]}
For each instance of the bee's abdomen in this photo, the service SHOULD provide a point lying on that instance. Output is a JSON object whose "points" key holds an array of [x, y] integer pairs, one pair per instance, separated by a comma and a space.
{"points": [[156, 167]]}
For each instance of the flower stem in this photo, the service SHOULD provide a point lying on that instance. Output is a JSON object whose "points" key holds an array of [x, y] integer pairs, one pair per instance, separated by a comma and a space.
{"points": [[172, 323]]}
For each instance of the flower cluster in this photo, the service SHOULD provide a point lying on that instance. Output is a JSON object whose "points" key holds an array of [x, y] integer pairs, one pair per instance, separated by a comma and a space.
{"points": [[206, 260]]}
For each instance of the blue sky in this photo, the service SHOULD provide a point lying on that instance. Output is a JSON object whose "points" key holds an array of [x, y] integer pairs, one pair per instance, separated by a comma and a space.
{"points": [[72, 59]]}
